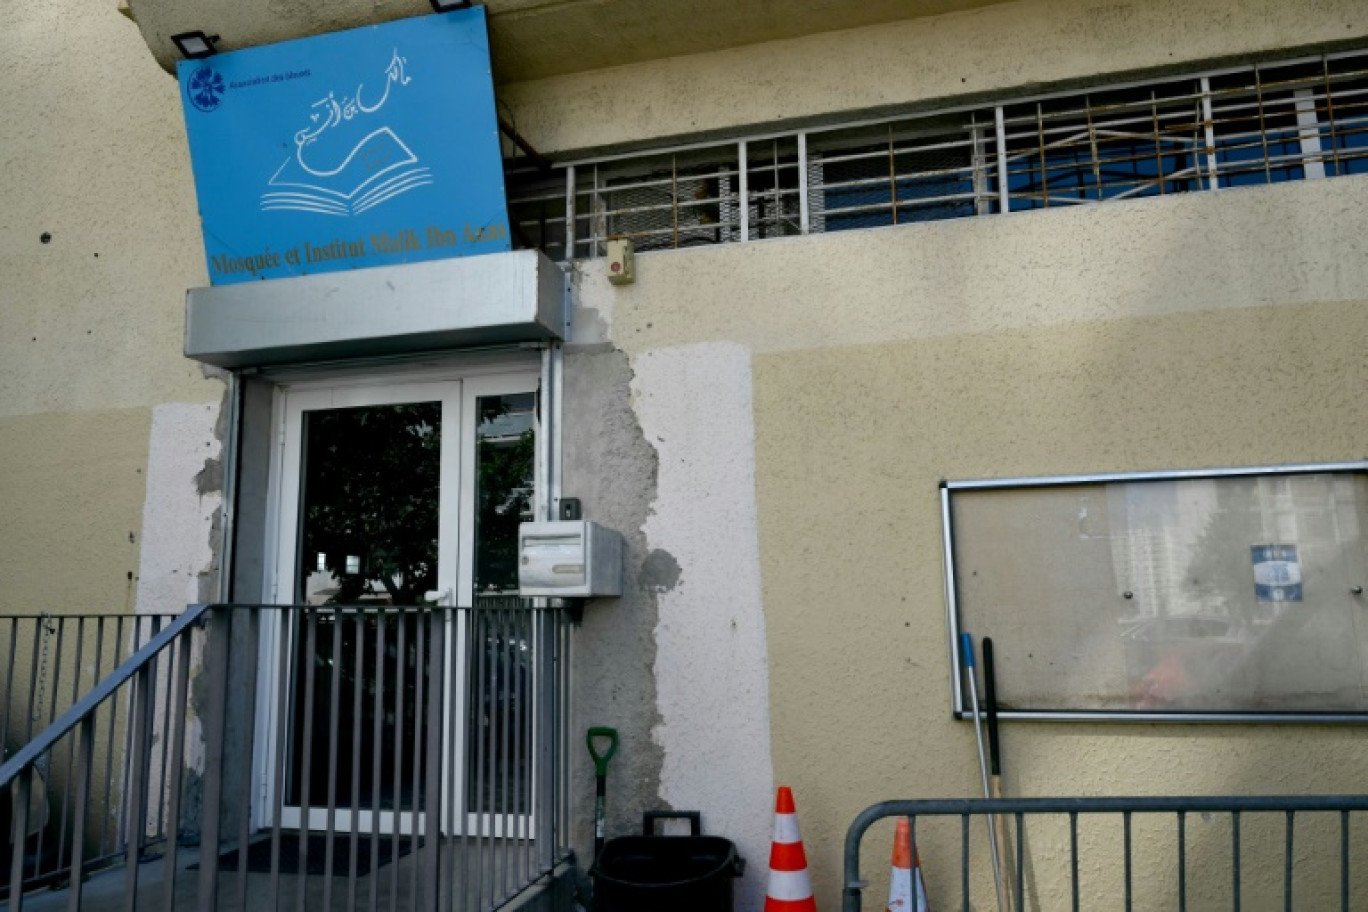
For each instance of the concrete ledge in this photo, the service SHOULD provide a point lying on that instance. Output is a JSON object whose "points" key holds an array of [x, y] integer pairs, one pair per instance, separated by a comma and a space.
{"points": [[494, 299], [554, 894]]}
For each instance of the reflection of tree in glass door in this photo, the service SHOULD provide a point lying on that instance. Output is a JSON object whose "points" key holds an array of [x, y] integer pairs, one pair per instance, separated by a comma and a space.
{"points": [[369, 518], [392, 494], [504, 468], [370, 505], [499, 736]]}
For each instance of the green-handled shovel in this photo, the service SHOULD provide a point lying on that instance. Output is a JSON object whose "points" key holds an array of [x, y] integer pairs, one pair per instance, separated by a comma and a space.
{"points": [[600, 733]]}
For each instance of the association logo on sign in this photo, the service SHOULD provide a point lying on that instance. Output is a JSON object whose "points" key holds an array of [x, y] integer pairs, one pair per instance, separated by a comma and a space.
{"points": [[205, 87]]}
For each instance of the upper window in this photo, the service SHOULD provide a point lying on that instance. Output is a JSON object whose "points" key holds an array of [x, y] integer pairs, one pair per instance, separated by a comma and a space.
{"points": [[1260, 124]]}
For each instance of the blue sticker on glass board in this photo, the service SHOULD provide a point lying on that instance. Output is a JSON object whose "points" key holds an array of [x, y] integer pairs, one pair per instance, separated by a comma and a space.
{"points": [[369, 147], [1277, 573]]}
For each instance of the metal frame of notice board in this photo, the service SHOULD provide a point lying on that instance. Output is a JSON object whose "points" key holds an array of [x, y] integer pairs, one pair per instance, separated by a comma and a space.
{"points": [[949, 489]]}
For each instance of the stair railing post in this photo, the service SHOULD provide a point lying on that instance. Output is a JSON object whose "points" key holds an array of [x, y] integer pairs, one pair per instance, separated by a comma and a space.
{"points": [[23, 784], [216, 666], [85, 757], [139, 744]]}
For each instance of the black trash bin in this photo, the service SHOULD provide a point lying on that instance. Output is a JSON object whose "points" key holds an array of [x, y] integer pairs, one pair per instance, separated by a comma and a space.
{"points": [[651, 873]]}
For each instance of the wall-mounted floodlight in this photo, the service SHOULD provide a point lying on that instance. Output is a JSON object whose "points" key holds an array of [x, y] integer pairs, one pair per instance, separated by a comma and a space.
{"points": [[446, 6], [195, 45]]}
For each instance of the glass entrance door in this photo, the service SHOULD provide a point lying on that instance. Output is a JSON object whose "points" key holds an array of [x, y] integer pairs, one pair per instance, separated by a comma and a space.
{"points": [[501, 667], [398, 507]]}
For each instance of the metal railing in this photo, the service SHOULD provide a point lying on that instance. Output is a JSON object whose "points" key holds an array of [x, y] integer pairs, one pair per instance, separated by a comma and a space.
{"points": [[1131, 852], [51, 661], [345, 756], [98, 821]]}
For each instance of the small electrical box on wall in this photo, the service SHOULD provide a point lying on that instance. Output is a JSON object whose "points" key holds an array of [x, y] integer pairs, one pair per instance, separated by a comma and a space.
{"points": [[569, 559], [621, 261]]}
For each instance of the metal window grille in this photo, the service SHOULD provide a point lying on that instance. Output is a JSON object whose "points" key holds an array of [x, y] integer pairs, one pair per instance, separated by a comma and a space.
{"points": [[1258, 124], [659, 202], [537, 214], [773, 205], [894, 174], [1105, 145]]}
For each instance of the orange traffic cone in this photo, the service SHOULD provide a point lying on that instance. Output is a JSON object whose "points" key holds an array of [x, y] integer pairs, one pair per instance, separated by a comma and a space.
{"points": [[904, 871], [790, 888]]}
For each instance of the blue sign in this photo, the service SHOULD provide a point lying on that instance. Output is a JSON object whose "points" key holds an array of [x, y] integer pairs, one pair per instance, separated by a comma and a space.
{"points": [[368, 147]]}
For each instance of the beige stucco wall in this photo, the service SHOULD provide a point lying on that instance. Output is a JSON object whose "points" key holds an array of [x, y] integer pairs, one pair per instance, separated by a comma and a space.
{"points": [[853, 441], [72, 489], [1153, 334], [1141, 335], [535, 38], [1294, 243], [93, 155], [995, 49]]}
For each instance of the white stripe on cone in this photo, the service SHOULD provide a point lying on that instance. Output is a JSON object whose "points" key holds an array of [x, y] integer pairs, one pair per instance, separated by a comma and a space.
{"points": [[786, 828], [900, 891], [790, 886]]}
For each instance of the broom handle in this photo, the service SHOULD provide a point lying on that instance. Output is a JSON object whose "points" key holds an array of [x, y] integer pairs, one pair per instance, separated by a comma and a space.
{"points": [[967, 648], [995, 769]]}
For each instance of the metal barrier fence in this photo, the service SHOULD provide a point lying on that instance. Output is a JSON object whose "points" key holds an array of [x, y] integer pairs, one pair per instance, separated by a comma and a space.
{"points": [[337, 756], [1133, 853]]}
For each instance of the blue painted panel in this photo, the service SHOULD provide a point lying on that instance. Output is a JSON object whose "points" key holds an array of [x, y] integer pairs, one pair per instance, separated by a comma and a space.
{"points": [[374, 146]]}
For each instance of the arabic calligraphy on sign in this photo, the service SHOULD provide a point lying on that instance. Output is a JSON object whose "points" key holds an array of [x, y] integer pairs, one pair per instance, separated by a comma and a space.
{"points": [[345, 174], [350, 106]]}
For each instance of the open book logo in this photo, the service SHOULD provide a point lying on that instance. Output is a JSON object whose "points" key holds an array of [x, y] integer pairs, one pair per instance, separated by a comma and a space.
{"points": [[345, 161]]}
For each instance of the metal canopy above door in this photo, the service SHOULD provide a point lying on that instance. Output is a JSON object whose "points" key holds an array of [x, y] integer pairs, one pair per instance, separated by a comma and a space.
{"points": [[496, 299]]}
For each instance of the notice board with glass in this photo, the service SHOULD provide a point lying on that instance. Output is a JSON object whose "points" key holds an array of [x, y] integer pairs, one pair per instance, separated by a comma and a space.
{"points": [[1225, 595]]}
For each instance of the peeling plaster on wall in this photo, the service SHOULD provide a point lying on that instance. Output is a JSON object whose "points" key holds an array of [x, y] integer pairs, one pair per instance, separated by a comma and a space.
{"points": [[590, 326], [712, 678], [182, 513], [612, 470], [660, 571], [208, 589], [179, 519], [210, 478]]}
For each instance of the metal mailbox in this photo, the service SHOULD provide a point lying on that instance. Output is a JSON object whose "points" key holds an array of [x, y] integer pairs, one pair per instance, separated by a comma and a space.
{"points": [[569, 559]]}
